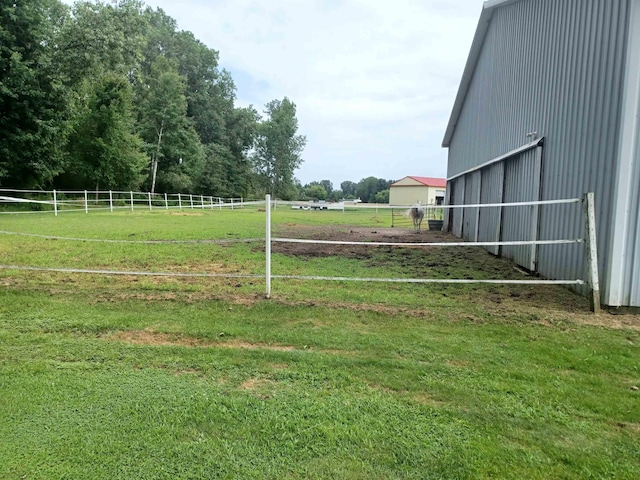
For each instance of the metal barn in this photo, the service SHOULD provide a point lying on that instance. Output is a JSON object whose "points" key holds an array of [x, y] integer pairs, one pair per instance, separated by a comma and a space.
{"points": [[547, 109]]}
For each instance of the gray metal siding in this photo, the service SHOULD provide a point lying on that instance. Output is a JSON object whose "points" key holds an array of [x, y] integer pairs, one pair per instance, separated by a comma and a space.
{"points": [[623, 258], [555, 67], [520, 223], [458, 196], [631, 292], [471, 197], [490, 218]]}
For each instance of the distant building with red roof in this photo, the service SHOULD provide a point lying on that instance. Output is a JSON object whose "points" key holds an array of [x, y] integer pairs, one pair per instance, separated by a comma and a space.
{"points": [[413, 189]]}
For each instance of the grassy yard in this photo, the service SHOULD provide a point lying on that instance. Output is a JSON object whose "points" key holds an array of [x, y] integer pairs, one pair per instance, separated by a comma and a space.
{"points": [[130, 377]]}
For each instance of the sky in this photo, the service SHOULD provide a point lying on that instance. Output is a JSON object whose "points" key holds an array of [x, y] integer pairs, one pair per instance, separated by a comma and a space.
{"points": [[374, 81]]}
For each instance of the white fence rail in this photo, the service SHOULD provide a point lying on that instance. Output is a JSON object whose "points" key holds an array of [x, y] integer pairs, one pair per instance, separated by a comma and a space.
{"points": [[85, 201], [591, 256], [589, 240]]}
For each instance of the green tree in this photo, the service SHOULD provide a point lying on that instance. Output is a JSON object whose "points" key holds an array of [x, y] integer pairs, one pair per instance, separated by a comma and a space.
{"points": [[226, 132], [209, 93], [382, 197], [348, 189], [328, 186], [315, 191], [103, 148], [367, 188], [102, 38], [32, 101], [278, 148], [227, 170], [170, 139]]}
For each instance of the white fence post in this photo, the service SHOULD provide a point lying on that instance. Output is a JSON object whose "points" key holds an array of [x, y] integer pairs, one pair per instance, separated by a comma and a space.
{"points": [[268, 245], [111, 201], [219, 203], [191, 200], [232, 203], [131, 193], [201, 202], [150, 207], [211, 200], [166, 202], [241, 202], [55, 203], [591, 252], [86, 202], [180, 201]]}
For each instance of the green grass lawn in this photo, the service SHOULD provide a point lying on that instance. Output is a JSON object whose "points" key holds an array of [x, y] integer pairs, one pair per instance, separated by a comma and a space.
{"points": [[145, 377]]}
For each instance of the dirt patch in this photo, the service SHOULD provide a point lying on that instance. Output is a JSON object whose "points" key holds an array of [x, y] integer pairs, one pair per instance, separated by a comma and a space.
{"points": [[358, 307], [412, 257], [618, 322], [280, 366], [261, 388], [426, 399], [254, 384], [149, 337], [543, 304], [185, 297], [146, 337], [631, 427], [348, 234], [256, 346]]}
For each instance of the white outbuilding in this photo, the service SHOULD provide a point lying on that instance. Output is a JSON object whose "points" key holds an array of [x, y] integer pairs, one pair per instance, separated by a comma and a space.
{"points": [[411, 190]]}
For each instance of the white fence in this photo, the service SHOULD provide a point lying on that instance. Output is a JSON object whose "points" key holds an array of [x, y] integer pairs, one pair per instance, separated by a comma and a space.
{"points": [[591, 259], [591, 256], [58, 201]]}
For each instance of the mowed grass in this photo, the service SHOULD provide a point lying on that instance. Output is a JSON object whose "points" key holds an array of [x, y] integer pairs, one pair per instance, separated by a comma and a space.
{"points": [[144, 377]]}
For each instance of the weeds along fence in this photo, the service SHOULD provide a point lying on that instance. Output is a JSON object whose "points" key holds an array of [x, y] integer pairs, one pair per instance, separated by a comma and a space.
{"points": [[590, 277], [58, 201]]}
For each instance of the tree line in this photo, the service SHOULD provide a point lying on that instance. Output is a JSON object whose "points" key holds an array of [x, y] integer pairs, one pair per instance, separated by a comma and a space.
{"points": [[368, 190], [114, 96]]}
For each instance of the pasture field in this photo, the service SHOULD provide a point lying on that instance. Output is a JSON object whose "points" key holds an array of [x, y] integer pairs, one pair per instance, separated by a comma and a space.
{"points": [[132, 377]]}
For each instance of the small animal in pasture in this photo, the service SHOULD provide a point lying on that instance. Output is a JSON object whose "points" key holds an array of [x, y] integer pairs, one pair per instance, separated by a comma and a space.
{"points": [[417, 215]]}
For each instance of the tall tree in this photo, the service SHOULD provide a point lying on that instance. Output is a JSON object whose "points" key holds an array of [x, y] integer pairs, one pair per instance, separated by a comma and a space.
{"points": [[315, 191], [170, 138], [278, 148], [348, 189], [328, 186], [102, 38], [227, 170], [382, 196], [103, 147], [367, 188], [32, 101], [226, 133]]}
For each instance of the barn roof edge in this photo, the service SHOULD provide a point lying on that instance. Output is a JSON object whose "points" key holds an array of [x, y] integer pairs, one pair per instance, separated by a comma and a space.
{"points": [[474, 54]]}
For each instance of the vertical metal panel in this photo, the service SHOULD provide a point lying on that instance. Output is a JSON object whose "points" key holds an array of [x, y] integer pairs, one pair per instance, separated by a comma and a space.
{"points": [[623, 260], [555, 67], [471, 197], [520, 185], [458, 199], [631, 258], [448, 212], [535, 214], [491, 218]]}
